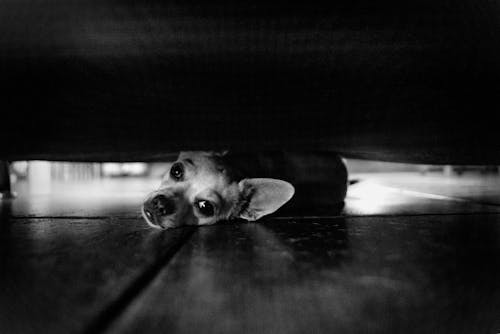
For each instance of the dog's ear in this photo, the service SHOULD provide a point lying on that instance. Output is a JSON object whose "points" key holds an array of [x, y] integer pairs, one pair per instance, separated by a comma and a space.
{"points": [[263, 196]]}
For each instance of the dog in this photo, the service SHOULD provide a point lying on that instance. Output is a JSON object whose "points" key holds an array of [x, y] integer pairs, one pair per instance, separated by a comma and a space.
{"points": [[205, 187]]}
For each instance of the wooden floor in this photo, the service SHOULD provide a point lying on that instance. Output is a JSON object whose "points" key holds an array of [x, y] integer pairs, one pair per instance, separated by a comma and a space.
{"points": [[408, 254]]}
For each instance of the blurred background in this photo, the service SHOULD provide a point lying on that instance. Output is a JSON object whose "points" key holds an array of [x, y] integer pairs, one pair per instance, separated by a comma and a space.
{"points": [[134, 180], [47, 173]]}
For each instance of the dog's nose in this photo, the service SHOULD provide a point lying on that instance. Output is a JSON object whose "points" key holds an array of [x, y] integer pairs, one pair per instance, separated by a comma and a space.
{"points": [[163, 205]]}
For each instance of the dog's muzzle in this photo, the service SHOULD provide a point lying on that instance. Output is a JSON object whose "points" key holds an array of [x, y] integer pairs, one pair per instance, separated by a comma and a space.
{"points": [[158, 207]]}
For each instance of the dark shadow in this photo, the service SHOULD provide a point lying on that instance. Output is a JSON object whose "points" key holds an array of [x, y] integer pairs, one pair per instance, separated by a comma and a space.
{"points": [[321, 242]]}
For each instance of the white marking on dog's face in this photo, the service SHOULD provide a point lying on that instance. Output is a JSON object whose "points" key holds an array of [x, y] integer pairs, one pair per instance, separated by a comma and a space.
{"points": [[197, 190]]}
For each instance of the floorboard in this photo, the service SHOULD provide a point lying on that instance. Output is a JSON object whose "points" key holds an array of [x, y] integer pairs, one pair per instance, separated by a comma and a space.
{"points": [[66, 275], [345, 275], [407, 253]]}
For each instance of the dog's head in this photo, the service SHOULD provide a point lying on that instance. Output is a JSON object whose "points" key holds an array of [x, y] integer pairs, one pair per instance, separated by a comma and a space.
{"points": [[201, 188]]}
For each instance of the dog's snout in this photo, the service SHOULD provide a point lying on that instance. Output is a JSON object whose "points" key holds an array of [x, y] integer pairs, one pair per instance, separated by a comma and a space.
{"points": [[161, 210], [163, 205]]}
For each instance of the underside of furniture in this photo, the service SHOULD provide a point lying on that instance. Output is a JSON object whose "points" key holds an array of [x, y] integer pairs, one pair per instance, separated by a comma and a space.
{"points": [[115, 81]]}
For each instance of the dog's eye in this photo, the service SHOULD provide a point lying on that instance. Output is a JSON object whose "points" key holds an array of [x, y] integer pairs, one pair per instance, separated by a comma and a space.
{"points": [[205, 208], [177, 171]]}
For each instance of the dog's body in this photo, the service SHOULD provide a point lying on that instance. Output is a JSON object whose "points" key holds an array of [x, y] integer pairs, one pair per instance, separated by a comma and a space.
{"points": [[202, 188]]}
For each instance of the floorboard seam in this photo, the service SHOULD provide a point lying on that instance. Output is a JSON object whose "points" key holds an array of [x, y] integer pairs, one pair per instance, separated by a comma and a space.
{"points": [[110, 313]]}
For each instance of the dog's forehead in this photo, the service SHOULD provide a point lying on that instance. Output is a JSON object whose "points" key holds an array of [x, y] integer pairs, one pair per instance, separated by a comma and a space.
{"points": [[203, 160], [210, 169]]}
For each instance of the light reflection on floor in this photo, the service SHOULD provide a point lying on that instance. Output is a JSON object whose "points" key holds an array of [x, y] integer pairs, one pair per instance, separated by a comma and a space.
{"points": [[416, 193]]}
